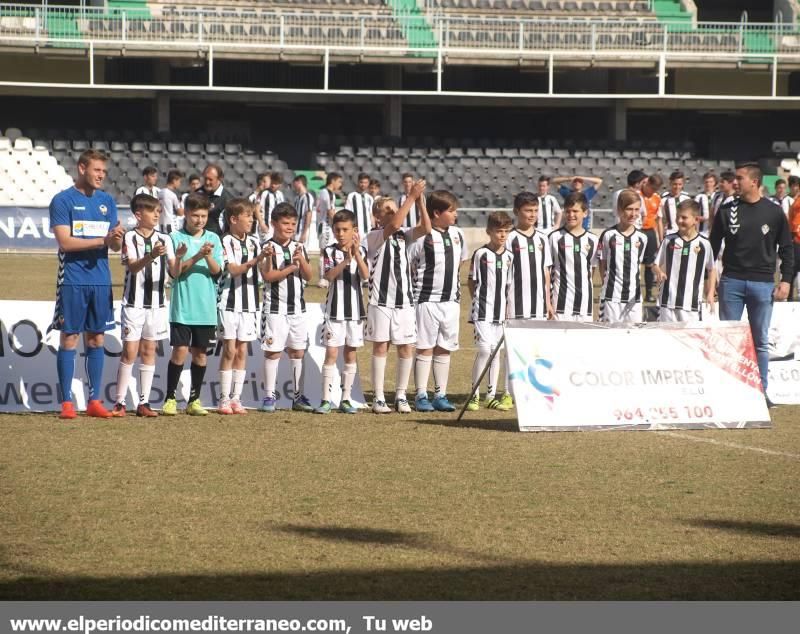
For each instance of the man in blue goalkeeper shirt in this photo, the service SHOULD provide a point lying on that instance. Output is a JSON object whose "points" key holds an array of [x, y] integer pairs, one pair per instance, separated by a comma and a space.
{"points": [[84, 221]]}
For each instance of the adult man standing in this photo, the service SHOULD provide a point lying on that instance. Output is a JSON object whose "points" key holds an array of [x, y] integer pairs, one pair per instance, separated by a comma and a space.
{"points": [[85, 224], [218, 196], [754, 230]]}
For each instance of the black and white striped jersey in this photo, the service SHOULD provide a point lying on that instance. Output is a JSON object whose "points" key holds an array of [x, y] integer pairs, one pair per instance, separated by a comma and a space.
{"points": [[784, 203], [685, 263], [412, 219], [325, 202], [622, 255], [573, 259], [706, 202], [360, 203], [721, 199], [238, 293], [669, 210], [344, 301], [435, 259], [286, 296], [530, 258], [147, 288], [490, 272], [303, 203], [549, 208], [389, 272]]}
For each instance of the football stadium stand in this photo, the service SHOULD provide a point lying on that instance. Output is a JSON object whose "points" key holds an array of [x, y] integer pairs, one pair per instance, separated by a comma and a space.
{"points": [[483, 175]]}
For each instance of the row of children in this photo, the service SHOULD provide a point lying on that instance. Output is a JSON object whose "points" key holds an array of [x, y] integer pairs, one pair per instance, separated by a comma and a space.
{"points": [[413, 297]]}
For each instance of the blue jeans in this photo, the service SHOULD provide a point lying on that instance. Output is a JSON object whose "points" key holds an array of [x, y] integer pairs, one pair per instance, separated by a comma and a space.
{"points": [[734, 295]]}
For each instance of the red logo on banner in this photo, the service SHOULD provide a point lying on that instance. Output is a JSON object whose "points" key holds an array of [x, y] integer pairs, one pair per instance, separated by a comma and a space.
{"points": [[729, 348]]}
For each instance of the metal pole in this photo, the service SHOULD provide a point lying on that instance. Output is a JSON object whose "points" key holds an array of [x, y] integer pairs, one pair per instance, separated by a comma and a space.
{"points": [[210, 66], [124, 26], [91, 62], [662, 74], [550, 75], [480, 378], [439, 68], [283, 26], [327, 67], [774, 75]]}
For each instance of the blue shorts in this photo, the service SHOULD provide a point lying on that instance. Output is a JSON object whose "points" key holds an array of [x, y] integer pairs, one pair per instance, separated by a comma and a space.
{"points": [[84, 309]]}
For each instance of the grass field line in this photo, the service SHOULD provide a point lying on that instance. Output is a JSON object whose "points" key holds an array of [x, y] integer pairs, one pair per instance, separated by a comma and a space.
{"points": [[733, 445]]}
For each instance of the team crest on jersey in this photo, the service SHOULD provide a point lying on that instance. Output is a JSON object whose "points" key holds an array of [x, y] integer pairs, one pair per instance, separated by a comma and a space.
{"points": [[765, 229], [456, 240], [697, 249], [269, 341], [127, 330], [103, 210]]}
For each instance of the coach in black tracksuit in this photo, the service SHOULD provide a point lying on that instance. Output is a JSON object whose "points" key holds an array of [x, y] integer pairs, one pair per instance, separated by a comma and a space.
{"points": [[755, 231]]}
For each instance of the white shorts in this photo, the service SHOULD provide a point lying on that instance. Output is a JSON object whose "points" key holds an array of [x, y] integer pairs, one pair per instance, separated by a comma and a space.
{"points": [[239, 326], [397, 325], [575, 318], [437, 325], [144, 323], [621, 312], [279, 332], [487, 333], [672, 315], [336, 334]]}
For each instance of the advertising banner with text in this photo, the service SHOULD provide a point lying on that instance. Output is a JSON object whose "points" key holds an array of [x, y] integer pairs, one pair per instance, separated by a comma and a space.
{"points": [[28, 379], [653, 377]]}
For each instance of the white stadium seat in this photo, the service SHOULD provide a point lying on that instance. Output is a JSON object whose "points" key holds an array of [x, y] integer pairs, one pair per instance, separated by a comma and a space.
{"points": [[23, 143], [5, 144]]}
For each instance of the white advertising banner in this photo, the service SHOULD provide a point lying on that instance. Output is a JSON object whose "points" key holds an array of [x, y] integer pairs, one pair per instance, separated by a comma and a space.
{"points": [[28, 380], [654, 377]]}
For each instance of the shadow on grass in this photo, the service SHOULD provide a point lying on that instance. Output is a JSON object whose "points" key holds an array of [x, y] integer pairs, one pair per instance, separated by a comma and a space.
{"points": [[523, 581], [770, 529], [405, 539]]}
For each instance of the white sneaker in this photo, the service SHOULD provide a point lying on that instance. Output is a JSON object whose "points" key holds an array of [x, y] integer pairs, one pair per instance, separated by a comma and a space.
{"points": [[323, 283], [402, 406], [380, 407]]}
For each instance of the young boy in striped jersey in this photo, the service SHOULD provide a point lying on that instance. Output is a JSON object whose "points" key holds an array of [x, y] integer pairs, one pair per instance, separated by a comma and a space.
{"points": [[573, 251], [304, 204], [489, 278], [360, 203], [345, 268], [435, 262], [192, 308], [685, 268], [549, 217], [529, 278], [286, 271], [390, 312], [670, 201], [706, 201], [620, 254], [326, 209], [529, 289], [147, 255], [237, 301]]}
